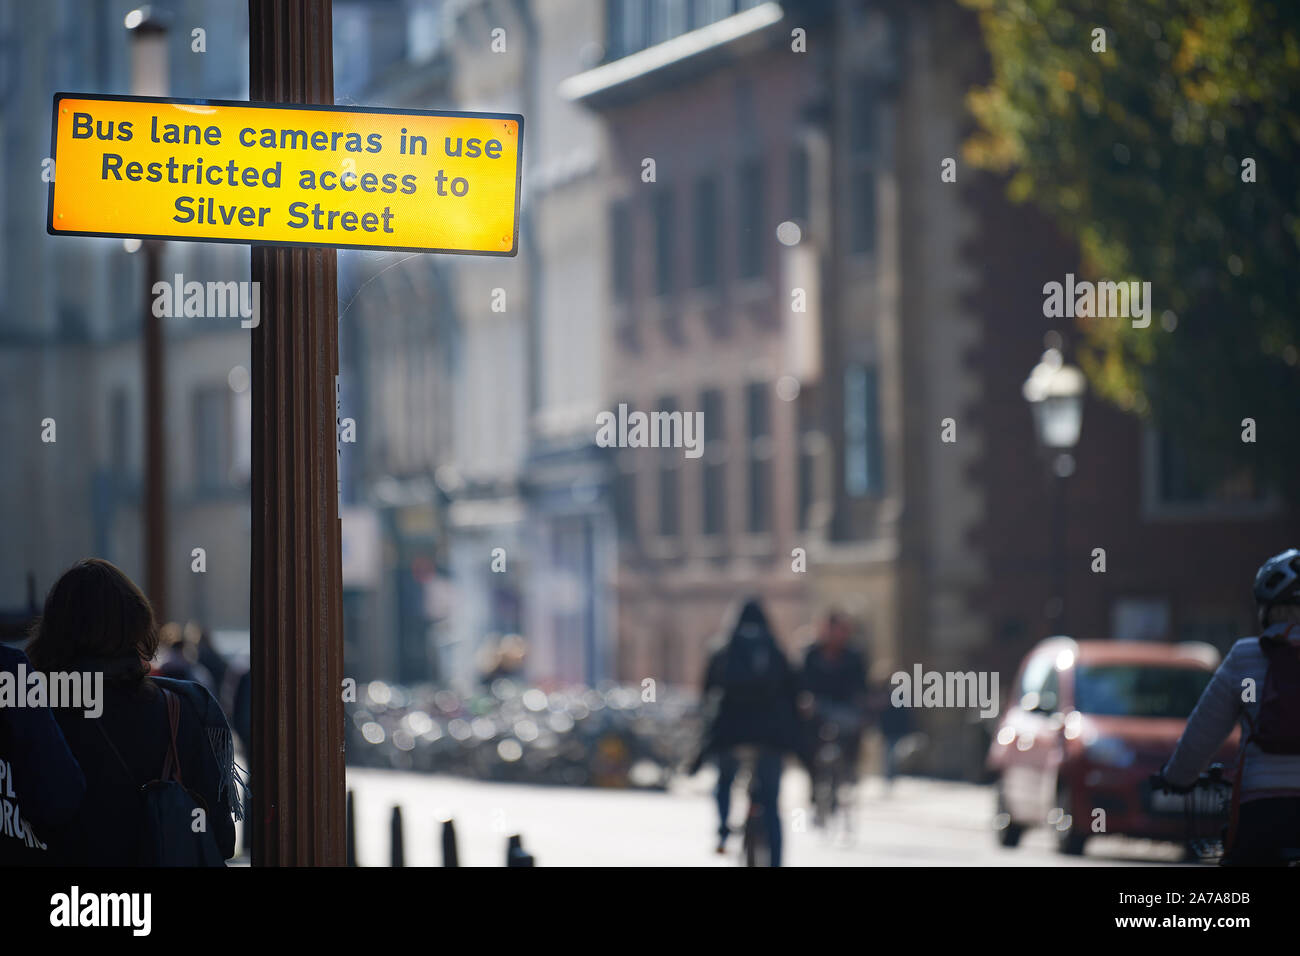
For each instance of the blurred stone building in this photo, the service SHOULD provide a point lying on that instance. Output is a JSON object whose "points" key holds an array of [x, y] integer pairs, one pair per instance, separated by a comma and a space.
{"points": [[924, 304], [70, 325], [709, 151], [399, 342], [476, 484], [731, 207]]}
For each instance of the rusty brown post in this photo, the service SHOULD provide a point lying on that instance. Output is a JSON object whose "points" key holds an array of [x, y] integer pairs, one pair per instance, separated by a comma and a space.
{"points": [[155, 441], [297, 639], [149, 77]]}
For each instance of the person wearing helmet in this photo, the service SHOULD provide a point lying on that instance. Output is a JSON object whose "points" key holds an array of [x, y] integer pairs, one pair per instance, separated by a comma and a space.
{"points": [[1258, 685]]}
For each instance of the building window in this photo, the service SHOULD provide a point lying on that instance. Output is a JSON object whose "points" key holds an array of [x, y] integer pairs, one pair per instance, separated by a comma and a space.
{"points": [[633, 25], [1140, 619], [621, 250], [211, 409], [798, 200], [625, 497], [862, 169], [1181, 480], [120, 433], [668, 496], [862, 215], [809, 436], [714, 485], [749, 216], [863, 464], [668, 480], [704, 12], [664, 244], [758, 406], [667, 19], [862, 127], [807, 485], [1176, 483], [706, 232], [625, 23]]}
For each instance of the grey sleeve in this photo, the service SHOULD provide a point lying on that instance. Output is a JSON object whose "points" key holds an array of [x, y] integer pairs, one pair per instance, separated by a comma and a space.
{"points": [[1214, 718]]}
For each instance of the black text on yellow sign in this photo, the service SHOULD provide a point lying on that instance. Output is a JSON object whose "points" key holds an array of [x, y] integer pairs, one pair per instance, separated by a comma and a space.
{"points": [[221, 171]]}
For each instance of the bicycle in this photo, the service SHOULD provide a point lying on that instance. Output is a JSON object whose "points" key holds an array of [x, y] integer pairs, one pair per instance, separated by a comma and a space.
{"points": [[838, 730], [1207, 810], [754, 849]]}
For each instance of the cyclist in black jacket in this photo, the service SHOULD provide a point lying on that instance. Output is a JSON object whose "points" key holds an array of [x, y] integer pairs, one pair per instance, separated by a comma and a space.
{"points": [[749, 701]]}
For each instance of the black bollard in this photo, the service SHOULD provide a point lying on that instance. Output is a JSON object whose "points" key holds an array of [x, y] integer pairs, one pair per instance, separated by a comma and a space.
{"points": [[450, 856], [350, 834], [516, 855], [398, 858]]}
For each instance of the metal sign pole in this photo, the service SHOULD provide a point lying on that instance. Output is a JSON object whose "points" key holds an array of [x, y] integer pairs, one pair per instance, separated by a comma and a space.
{"points": [[296, 621]]}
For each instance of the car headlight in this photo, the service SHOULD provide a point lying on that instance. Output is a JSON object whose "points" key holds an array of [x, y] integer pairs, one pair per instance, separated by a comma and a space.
{"points": [[1110, 752]]}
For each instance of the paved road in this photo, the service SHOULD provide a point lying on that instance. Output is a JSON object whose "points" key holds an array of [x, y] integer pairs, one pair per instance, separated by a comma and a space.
{"points": [[920, 823]]}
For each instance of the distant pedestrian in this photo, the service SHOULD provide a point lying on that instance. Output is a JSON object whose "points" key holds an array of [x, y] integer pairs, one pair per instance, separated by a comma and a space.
{"points": [[207, 656], [178, 655]]}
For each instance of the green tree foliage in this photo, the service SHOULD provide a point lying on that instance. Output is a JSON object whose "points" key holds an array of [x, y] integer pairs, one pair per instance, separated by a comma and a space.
{"points": [[1137, 152]]}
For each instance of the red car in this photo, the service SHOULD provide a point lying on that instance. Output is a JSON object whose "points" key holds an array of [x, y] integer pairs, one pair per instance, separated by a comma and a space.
{"points": [[1087, 724]]}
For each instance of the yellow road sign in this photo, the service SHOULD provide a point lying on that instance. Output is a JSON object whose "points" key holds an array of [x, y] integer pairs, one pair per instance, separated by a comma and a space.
{"points": [[222, 171]]}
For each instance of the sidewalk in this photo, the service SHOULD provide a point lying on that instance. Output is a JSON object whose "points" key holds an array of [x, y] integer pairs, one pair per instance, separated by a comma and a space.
{"points": [[921, 823]]}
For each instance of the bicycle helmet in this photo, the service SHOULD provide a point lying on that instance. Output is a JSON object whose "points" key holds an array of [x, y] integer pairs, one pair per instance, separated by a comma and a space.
{"points": [[1278, 581]]}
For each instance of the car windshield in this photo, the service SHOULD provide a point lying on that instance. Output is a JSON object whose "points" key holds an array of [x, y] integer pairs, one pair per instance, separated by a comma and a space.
{"points": [[1138, 690]]}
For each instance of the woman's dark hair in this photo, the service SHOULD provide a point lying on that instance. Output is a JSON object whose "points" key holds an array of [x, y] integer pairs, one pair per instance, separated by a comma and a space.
{"points": [[96, 613]]}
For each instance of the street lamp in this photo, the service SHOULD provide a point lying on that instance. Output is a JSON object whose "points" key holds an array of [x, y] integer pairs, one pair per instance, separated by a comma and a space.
{"points": [[148, 32], [1055, 394], [1054, 391]]}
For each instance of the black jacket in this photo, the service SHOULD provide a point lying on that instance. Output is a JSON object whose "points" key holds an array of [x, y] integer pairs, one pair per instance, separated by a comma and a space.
{"points": [[41, 785], [749, 696], [841, 679], [135, 722]]}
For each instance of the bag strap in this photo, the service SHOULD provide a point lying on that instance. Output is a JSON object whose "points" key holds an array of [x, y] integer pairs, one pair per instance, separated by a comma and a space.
{"points": [[116, 753], [1268, 649], [172, 763]]}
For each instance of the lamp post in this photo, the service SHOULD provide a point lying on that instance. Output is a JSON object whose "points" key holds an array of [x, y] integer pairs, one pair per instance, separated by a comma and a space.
{"points": [[1055, 393], [148, 32]]}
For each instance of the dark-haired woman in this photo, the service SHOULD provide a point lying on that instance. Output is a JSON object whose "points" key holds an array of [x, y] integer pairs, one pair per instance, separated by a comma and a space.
{"points": [[96, 620]]}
